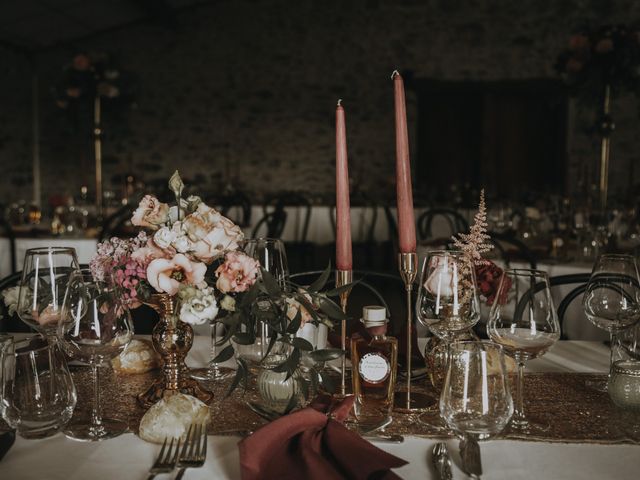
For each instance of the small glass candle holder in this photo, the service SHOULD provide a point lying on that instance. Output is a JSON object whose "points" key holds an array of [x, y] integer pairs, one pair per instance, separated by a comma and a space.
{"points": [[624, 384]]}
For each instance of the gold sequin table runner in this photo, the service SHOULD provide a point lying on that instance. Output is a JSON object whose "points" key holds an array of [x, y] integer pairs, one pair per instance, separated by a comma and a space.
{"points": [[575, 412]]}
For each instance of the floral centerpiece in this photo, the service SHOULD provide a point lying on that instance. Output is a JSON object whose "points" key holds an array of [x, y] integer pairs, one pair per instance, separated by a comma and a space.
{"points": [[165, 267]]}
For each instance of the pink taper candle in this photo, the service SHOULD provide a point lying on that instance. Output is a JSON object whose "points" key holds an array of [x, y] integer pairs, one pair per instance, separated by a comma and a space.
{"points": [[344, 260], [406, 220]]}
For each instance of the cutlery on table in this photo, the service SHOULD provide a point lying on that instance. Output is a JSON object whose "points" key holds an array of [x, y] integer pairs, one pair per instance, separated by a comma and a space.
{"points": [[442, 461], [470, 455], [194, 450], [166, 461]]}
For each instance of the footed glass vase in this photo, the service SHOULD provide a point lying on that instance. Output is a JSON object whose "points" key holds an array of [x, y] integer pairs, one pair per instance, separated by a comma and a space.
{"points": [[172, 339]]}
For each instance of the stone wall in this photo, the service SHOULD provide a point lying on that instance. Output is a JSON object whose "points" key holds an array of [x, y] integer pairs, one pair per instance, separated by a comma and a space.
{"points": [[244, 91]]}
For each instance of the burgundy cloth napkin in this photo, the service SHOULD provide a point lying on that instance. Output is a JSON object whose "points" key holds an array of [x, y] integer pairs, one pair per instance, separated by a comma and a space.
{"points": [[313, 444]]}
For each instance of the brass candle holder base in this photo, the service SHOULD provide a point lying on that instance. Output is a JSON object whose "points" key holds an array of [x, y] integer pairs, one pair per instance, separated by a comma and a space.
{"points": [[343, 277], [172, 339], [407, 401]]}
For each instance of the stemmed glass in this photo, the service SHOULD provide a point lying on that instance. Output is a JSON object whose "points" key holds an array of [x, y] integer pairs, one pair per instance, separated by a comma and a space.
{"points": [[95, 327], [475, 399], [612, 298], [523, 320], [447, 302], [271, 255], [45, 276]]}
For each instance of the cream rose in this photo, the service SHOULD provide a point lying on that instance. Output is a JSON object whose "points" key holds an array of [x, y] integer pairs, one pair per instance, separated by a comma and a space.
{"points": [[440, 281], [150, 213], [167, 274], [164, 237]]}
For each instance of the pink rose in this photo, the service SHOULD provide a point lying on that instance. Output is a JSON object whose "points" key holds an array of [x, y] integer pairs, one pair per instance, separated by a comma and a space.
{"points": [[237, 274], [150, 213], [167, 274]]}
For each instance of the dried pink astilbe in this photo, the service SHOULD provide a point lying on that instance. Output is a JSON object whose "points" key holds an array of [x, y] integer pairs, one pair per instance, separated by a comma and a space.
{"points": [[476, 242]]}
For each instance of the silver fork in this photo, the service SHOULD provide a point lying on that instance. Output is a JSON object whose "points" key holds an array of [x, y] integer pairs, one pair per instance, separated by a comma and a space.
{"points": [[165, 462], [194, 450]]}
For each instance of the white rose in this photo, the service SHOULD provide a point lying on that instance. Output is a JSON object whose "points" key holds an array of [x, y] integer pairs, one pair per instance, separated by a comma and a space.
{"points": [[182, 244], [200, 308], [164, 237], [10, 297], [440, 282]]}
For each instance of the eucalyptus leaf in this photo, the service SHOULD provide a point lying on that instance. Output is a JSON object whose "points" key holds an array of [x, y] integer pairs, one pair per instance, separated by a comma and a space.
{"points": [[241, 377], [334, 292], [270, 284], [250, 296], [294, 326], [331, 309], [321, 281], [225, 354], [300, 297], [326, 354], [302, 344], [327, 382]]}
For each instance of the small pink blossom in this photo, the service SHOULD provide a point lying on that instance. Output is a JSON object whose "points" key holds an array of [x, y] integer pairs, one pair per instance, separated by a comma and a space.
{"points": [[167, 274], [237, 274]]}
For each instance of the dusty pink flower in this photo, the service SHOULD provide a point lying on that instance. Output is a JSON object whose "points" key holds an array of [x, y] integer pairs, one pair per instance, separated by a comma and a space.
{"points": [[237, 274], [150, 213], [211, 233], [167, 274]]}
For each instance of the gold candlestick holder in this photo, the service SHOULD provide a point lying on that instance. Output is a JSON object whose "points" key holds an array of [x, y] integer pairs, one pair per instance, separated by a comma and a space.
{"points": [[407, 401], [343, 277]]}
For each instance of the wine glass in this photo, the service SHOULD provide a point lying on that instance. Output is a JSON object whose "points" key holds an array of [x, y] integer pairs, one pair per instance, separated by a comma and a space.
{"points": [[95, 327], [475, 399], [447, 302], [36, 390], [271, 254], [45, 276], [523, 320], [612, 298]]}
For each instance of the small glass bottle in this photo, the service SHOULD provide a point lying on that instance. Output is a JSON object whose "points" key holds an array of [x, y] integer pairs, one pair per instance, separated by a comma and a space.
{"points": [[375, 360]]}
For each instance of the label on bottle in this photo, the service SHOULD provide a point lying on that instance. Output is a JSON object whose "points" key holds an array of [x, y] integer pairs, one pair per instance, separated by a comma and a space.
{"points": [[374, 368]]}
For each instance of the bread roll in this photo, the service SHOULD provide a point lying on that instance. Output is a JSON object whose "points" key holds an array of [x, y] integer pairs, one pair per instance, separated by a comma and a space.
{"points": [[138, 357], [171, 417]]}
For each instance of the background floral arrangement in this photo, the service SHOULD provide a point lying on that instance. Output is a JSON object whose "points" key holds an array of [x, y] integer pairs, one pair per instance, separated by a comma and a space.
{"points": [[607, 55]]}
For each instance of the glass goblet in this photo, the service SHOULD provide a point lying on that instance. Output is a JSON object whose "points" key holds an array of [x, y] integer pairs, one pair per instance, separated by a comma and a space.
{"points": [[37, 395], [95, 328], [214, 372], [523, 320], [475, 399], [612, 298], [272, 256], [45, 276], [447, 301]]}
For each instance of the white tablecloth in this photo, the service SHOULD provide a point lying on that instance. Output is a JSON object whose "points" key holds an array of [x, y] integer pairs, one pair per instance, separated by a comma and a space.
{"points": [[130, 457]]}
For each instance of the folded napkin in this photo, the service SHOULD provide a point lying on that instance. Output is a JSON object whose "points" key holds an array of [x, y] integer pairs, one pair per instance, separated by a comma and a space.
{"points": [[313, 444]]}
